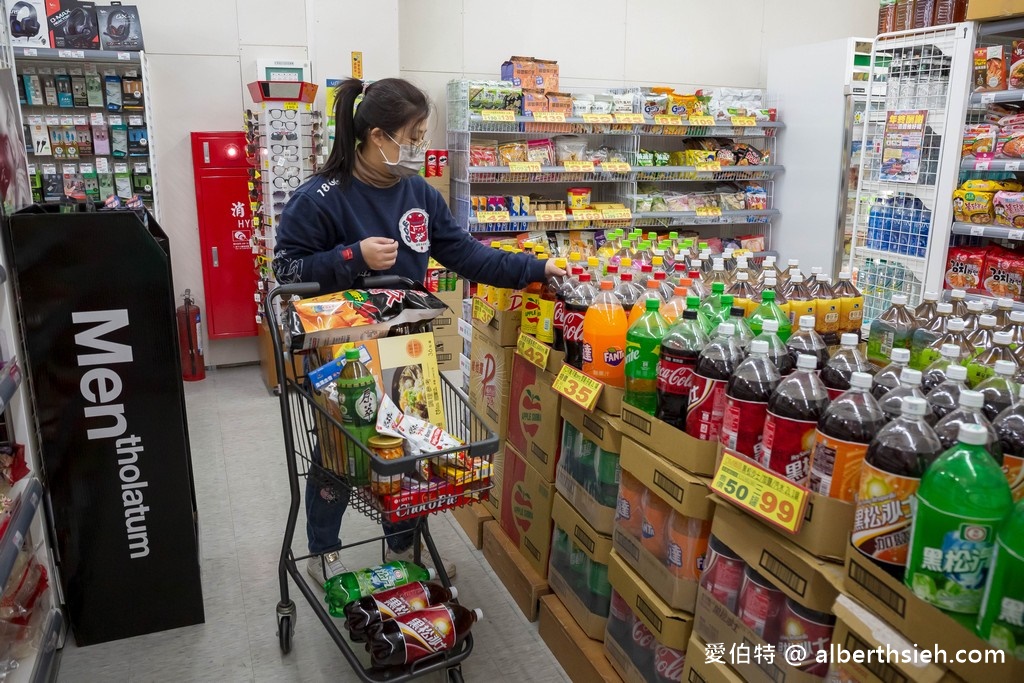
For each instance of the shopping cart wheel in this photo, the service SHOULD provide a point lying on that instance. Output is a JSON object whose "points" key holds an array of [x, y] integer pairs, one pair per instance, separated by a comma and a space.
{"points": [[455, 674], [285, 631]]}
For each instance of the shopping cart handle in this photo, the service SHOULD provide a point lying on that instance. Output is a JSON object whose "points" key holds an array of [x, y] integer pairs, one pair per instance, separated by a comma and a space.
{"points": [[303, 289], [388, 282]]}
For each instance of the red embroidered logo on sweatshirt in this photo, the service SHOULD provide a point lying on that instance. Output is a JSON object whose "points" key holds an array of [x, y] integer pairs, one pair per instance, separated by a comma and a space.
{"points": [[413, 229]]}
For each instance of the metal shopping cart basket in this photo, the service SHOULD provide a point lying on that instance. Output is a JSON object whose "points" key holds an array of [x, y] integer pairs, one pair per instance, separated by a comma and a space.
{"points": [[311, 427]]}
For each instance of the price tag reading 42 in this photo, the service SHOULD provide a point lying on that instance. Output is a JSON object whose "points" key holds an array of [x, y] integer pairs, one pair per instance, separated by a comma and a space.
{"points": [[533, 350], [761, 492], [577, 387]]}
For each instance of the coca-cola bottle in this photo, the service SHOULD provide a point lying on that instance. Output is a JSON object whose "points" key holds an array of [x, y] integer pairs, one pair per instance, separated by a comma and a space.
{"points": [[807, 341], [563, 286], [910, 385], [364, 614], [642, 647], [743, 333], [576, 304], [935, 374], [794, 409], [1000, 391], [841, 366], [778, 352], [888, 378], [620, 621], [746, 405], [680, 350], [411, 637], [945, 397], [715, 366]]}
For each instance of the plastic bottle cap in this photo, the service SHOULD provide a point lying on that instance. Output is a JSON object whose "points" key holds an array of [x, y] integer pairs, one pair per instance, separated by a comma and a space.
{"points": [[844, 275], [956, 372], [821, 277], [607, 285], [931, 296], [914, 406], [679, 290], [797, 276], [910, 377], [815, 270], [958, 294], [806, 362], [849, 340], [807, 322], [719, 264], [950, 351], [1004, 303], [987, 320], [770, 281], [1006, 368], [1017, 316], [454, 592], [654, 284], [736, 312], [742, 276], [585, 277], [727, 329], [690, 314], [717, 287], [1002, 338], [431, 573], [900, 355], [767, 295], [899, 299], [956, 325], [770, 326], [861, 380], [971, 399], [479, 613], [972, 434], [759, 346], [652, 304], [794, 262], [975, 306], [944, 308], [351, 354]]}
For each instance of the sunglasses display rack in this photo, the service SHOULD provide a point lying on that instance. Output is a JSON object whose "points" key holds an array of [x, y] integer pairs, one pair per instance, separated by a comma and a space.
{"points": [[285, 146], [88, 132]]}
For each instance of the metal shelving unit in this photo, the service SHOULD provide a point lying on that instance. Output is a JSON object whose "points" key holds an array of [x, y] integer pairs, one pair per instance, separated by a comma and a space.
{"points": [[999, 232]]}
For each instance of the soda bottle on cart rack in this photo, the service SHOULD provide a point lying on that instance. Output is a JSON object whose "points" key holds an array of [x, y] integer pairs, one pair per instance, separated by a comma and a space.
{"points": [[935, 373], [843, 363], [896, 459], [643, 346], [954, 335], [849, 424], [350, 586], [888, 378], [910, 385], [604, 338], [408, 638], [968, 412], [807, 341], [851, 304], [577, 303], [794, 409], [746, 403], [715, 366], [677, 364], [933, 329], [365, 613], [357, 403], [961, 503], [1000, 391], [769, 310], [1009, 427], [891, 330], [984, 364], [1004, 590], [945, 397]]}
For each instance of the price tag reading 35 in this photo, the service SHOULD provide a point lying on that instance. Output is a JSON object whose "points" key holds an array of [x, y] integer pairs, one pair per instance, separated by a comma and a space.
{"points": [[533, 350], [577, 387], [482, 312], [761, 492]]}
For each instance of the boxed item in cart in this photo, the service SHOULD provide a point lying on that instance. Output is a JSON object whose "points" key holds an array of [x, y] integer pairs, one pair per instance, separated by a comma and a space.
{"points": [[588, 471], [578, 571], [534, 418], [489, 381], [646, 639], [419, 498], [581, 657], [692, 454], [662, 523], [526, 500]]}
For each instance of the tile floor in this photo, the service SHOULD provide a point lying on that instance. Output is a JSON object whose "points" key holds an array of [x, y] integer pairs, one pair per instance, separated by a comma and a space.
{"points": [[242, 491]]}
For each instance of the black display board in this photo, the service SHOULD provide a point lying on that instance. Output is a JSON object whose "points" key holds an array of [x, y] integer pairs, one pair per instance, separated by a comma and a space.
{"points": [[96, 299]]}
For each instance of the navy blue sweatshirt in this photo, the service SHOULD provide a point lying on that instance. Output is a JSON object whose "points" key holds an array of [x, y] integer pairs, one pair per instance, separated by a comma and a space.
{"points": [[320, 229]]}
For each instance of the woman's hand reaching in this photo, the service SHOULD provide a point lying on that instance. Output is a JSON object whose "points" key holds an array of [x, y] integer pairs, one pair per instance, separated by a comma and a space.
{"points": [[551, 269]]}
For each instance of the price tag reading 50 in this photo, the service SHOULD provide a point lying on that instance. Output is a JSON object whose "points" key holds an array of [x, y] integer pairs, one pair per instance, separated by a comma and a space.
{"points": [[577, 387], [761, 492]]}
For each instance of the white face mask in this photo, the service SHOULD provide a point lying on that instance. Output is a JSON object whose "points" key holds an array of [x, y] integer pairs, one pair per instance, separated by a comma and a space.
{"points": [[410, 159]]}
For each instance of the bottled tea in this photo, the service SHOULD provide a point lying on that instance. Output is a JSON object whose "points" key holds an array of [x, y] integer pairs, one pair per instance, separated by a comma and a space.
{"points": [[365, 613], [888, 378], [975, 309], [928, 307], [680, 350], [715, 366], [935, 373], [807, 341], [983, 338], [794, 409], [801, 301], [891, 330], [1009, 427], [999, 620], [958, 298], [1004, 306], [928, 333], [746, 405], [743, 293], [849, 424], [851, 304], [402, 641], [910, 385], [896, 459], [643, 346], [945, 397], [843, 363], [357, 402], [1000, 391], [778, 352], [984, 364], [968, 412], [1016, 328], [954, 336]]}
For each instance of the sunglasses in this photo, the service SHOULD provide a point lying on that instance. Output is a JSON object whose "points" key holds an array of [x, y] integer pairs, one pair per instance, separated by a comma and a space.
{"points": [[282, 182], [278, 114], [283, 125], [282, 135], [284, 149]]}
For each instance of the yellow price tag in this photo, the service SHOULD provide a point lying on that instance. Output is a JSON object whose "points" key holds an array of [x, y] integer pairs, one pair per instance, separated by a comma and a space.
{"points": [[761, 492], [617, 215], [505, 115], [709, 211], [549, 117], [668, 120], [482, 311], [579, 166], [629, 118], [615, 167], [492, 217], [550, 216], [524, 167], [577, 387], [293, 106], [585, 215], [701, 120], [598, 118], [709, 166], [534, 351], [743, 121]]}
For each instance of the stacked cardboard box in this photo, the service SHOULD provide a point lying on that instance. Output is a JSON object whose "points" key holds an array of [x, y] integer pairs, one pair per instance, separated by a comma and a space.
{"points": [[447, 340]]}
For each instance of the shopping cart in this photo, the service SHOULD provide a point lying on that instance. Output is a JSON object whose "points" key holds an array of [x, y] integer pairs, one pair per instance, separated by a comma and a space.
{"points": [[312, 432]]}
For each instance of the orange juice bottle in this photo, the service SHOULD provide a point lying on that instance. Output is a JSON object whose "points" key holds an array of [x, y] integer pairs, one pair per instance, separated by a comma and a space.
{"points": [[604, 338]]}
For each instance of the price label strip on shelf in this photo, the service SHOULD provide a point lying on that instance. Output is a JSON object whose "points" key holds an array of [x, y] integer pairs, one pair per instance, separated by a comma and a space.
{"points": [[615, 167], [761, 492], [482, 311], [579, 166], [1011, 165], [586, 215], [524, 167], [1016, 235], [709, 166], [701, 121], [709, 211], [982, 164], [550, 216], [629, 118], [743, 121], [505, 115], [598, 118], [293, 106], [668, 120], [534, 351], [616, 215], [977, 231], [577, 387], [488, 217], [549, 117]]}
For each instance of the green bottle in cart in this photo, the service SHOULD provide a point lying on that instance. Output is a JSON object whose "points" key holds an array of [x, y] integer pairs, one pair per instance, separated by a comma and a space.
{"points": [[357, 399], [961, 503], [350, 586], [1001, 620]]}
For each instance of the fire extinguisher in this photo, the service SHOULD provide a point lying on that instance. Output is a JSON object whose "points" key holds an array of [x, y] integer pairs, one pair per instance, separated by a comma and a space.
{"points": [[190, 340]]}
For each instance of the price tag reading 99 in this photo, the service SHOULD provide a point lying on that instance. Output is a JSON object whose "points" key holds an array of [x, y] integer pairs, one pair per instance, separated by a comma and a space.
{"points": [[761, 492]]}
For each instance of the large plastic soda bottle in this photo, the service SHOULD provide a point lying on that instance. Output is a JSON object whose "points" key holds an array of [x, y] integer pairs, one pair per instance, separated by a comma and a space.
{"points": [[350, 586], [604, 338], [357, 401], [547, 303], [984, 364], [887, 485], [891, 330], [794, 409], [843, 363], [675, 306], [404, 640], [627, 291], [531, 307], [961, 503], [968, 412], [746, 406], [713, 303], [888, 378], [577, 303], [365, 613], [680, 350], [697, 286], [1000, 621], [827, 308], [560, 285], [744, 335], [945, 397], [851, 304], [743, 293], [653, 293], [801, 301], [910, 385], [715, 366], [924, 336], [806, 340], [643, 347], [693, 304], [1009, 427], [935, 373], [768, 310], [778, 352], [927, 309], [1000, 391]]}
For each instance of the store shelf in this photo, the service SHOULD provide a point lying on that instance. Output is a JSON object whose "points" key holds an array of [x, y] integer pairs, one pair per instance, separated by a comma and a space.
{"points": [[1001, 165], [39, 666], [1013, 28], [558, 174], [48, 53], [691, 217], [648, 122], [980, 99], [889, 256], [696, 174], [992, 231], [10, 380], [17, 528]]}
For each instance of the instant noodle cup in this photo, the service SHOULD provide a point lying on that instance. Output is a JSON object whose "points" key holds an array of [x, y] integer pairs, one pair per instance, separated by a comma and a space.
{"points": [[687, 545], [723, 573], [760, 605], [655, 522], [1004, 273], [964, 267], [629, 508], [578, 197]]}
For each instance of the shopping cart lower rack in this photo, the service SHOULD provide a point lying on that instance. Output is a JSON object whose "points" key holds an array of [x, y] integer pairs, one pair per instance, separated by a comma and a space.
{"points": [[316, 445]]}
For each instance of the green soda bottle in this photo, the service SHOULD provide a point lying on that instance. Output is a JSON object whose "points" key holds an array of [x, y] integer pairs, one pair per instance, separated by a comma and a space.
{"points": [[712, 303], [357, 400], [643, 347], [768, 310], [1001, 620], [962, 500], [693, 304], [350, 586], [725, 312]]}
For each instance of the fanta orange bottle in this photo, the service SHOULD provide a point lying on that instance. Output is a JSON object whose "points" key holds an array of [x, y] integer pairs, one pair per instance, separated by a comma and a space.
{"points": [[604, 338]]}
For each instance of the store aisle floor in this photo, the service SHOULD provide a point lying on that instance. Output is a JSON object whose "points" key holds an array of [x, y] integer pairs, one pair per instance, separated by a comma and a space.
{"points": [[242, 491]]}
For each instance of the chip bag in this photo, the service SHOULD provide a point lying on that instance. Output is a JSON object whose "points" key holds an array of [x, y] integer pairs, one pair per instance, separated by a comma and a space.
{"points": [[1004, 273], [964, 267]]}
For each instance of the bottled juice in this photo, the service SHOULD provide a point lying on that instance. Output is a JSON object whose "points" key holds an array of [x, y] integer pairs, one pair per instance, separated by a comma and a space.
{"points": [[746, 405], [1009, 427], [604, 338], [935, 373], [910, 385], [891, 330], [968, 412], [843, 363], [983, 338], [975, 309], [895, 461], [841, 440], [743, 293], [954, 335], [931, 330], [961, 503], [827, 307], [806, 340], [643, 347], [768, 310], [1000, 391], [945, 397], [794, 409], [984, 364], [851, 304], [577, 303], [778, 352], [999, 620], [801, 301], [926, 310], [888, 378], [677, 364], [715, 366], [402, 641]]}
